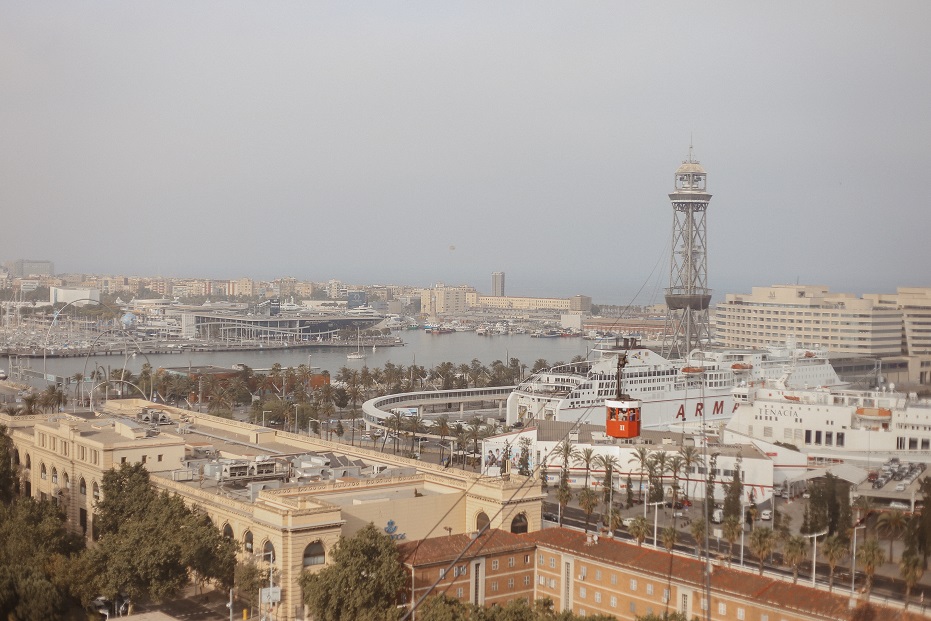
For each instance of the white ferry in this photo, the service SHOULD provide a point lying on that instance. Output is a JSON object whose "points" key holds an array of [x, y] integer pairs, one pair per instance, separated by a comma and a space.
{"points": [[671, 391], [832, 425]]}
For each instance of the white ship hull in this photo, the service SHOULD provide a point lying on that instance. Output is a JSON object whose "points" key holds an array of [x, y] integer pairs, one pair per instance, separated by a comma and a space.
{"points": [[863, 427], [672, 392]]}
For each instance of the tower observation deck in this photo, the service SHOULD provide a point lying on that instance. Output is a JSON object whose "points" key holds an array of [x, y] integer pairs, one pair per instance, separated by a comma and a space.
{"points": [[688, 295]]}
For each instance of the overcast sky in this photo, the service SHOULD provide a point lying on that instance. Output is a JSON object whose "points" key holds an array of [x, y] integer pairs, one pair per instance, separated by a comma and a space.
{"points": [[417, 142]]}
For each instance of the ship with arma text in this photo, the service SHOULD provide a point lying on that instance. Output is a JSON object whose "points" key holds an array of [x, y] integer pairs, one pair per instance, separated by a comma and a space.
{"points": [[697, 388]]}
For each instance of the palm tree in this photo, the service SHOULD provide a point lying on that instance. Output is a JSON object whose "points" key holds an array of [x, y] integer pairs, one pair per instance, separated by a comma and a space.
{"points": [[608, 463], [733, 527], [563, 495], [641, 458], [796, 549], [690, 458], [891, 525], [911, 569], [872, 556], [674, 466], [586, 457], [588, 501], [762, 543], [834, 550], [670, 536], [639, 529], [698, 531], [566, 452]]}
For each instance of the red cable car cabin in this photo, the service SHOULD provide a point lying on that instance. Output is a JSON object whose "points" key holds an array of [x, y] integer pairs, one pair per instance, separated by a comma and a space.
{"points": [[622, 418]]}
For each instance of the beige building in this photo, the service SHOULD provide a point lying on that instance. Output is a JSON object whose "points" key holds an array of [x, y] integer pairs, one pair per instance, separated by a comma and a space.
{"points": [[278, 494], [575, 304], [440, 300], [599, 575], [810, 316]]}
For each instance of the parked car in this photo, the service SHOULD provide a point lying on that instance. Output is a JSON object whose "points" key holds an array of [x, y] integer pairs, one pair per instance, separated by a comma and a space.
{"points": [[766, 515]]}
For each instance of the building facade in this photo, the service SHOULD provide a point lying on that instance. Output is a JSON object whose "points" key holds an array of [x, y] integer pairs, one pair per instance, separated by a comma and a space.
{"points": [[497, 284]]}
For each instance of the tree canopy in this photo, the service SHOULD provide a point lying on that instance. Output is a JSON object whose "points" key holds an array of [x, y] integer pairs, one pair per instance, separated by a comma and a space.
{"points": [[444, 608], [363, 582]]}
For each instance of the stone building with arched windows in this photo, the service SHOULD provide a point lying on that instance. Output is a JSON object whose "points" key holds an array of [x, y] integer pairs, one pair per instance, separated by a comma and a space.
{"points": [[284, 497]]}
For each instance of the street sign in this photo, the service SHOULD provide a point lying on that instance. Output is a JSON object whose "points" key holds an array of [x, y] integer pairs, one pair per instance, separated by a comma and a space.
{"points": [[270, 595]]}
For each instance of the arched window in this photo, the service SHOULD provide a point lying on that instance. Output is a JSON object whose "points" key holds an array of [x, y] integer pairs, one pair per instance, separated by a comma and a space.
{"points": [[96, 491], [15, 458], [519, 524], [314, 554], [268, 552], [481, 521], [247, 541], [67, 480], [42, 473], [228, 531], [82, 487], [28, 462], [54, 476]]}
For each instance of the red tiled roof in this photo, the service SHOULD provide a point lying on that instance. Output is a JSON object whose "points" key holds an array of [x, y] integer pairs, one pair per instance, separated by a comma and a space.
{"points": [[724, 580], [446, 548]]}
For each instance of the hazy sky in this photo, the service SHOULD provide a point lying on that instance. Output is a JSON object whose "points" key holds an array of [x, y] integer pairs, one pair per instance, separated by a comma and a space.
{"points": [[416, 142]]}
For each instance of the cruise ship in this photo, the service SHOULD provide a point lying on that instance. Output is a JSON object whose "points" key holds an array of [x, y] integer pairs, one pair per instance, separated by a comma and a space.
{"points": [[833, 425], [672, 391]]}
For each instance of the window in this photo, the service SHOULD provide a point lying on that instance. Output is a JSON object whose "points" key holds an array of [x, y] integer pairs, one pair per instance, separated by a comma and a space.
{"points": [[633, 606], [598, 575], [740, 614], [526, 559], [583, 572], [494, 586], [722, 608], [42, 473], [82, 487], [494, 564], [597, 597], [582, 593], [511, 562], [443, 573], [55, 476], [613, 601], [144, 458], [96, 491], [540, 559], [527, 580], [314, 554], [123, 460], [510, 583], [613, 578], [649, 589], [459, 593], [159, 458], [553, 562], [460, 570], [542, 580]]}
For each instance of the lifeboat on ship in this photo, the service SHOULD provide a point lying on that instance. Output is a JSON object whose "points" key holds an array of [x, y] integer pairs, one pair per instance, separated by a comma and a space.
{"points": [[693, 370], [874, 413], [741, 367], [792, 397]]}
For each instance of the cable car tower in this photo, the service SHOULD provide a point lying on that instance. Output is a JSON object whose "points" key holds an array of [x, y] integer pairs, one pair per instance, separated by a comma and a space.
{"points": [[688, 295]]}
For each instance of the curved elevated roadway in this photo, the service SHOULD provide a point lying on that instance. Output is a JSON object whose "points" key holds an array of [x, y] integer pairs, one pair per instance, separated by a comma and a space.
{"points": [[376, 411]]}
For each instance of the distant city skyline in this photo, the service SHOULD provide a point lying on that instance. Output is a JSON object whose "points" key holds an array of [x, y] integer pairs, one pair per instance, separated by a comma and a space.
{"points": [[427, 142]]}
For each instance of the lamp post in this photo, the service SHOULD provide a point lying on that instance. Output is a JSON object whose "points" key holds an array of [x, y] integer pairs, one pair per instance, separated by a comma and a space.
{"points": [[271, 571], [853, 566], [814, 554], [655, 506]]}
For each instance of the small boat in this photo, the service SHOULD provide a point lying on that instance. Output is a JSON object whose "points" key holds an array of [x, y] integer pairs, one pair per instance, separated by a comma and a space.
{"points": [[358, 354], [693, 370], [741, 366]]}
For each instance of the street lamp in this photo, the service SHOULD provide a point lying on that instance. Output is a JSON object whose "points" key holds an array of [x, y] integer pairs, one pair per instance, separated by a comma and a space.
{"points": [[814, 554], [853, 566], [655, 506]]}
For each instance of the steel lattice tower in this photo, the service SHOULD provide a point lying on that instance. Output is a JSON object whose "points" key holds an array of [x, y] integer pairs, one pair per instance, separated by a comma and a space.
{"points": [[688, 295]]}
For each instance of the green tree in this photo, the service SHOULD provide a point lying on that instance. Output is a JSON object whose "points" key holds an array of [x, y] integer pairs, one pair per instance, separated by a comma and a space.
{"points": [[670, 535], [588, 501], [834, 550], [639, 529], [733, 527], [762, 543], [8, 476], [363, 582], [872, 557], [796, 549], [563, 495], [911, 569], [891, 525], [586, 457], [698, 530]]}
